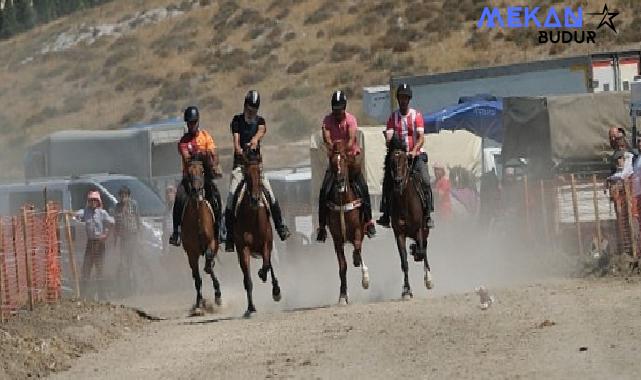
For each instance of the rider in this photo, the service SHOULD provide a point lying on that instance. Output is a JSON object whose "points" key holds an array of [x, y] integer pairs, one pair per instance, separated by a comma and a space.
{"points": [[248, 128], [195, 141], [342, 125], [407, 123]]}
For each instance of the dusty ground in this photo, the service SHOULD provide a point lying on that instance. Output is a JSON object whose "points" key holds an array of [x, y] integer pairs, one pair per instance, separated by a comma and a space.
{"points": [[567, 329], [546, 323], [48, 339]]}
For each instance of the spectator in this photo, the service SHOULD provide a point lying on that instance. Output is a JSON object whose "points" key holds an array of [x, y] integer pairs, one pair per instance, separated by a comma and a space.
{"points": [[97, 224], [127, 227], [443, 204]]}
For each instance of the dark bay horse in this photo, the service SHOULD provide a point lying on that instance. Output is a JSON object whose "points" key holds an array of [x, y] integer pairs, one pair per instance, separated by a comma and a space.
{"points": [[253, 230], [344, 219], [197, 234], [407, 213]]}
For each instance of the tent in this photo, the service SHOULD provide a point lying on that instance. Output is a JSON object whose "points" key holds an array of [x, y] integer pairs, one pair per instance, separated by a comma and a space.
{"points": [[477, 115], [449, 148], [563, 130]]}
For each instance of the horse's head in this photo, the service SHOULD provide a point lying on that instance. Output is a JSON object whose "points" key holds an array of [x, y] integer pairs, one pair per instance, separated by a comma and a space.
{"points": [[252, 172], [338, 163], [196, 174], [399, 164]]}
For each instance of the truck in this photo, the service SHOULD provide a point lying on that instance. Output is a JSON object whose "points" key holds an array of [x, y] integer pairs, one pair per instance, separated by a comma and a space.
{"points": [[145, 152], [602, 72]]}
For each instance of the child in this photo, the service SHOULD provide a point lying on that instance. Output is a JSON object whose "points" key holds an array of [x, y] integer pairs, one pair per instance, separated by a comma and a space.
{"points": [[97, 225]]}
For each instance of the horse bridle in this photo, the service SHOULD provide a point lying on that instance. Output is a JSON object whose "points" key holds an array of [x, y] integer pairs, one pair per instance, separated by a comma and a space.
{"points": [[401, 181], [197, 179], [248, 162]]}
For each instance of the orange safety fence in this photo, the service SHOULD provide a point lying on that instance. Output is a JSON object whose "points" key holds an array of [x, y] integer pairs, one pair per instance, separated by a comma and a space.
{"points": [[30, 270]]}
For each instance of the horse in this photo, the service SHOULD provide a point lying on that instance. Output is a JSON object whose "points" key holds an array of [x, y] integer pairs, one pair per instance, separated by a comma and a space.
{"points": [[197, 234], [345, 220], [252, 228], [406, 214]]}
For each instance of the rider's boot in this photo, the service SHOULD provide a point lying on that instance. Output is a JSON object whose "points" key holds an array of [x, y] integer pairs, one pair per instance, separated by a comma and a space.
{"points": [[174, 239], [229, 226], [281, 228]]}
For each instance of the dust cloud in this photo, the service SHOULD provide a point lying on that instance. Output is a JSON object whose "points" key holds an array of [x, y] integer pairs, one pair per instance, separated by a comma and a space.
{"points": [[462, 257]]}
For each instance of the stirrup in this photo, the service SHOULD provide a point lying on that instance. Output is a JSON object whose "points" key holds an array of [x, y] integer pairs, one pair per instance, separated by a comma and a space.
{"points": [[321, 234], [384, 221], [283, 232], [229, 246], [174, 239]]}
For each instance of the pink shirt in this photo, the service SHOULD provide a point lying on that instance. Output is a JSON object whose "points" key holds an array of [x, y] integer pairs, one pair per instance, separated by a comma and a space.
{"points": [[407, 127], [340, 131]]}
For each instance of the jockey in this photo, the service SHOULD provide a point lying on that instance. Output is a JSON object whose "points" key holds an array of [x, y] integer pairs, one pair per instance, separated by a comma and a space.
{"points": [[195, 141], [248, 128], [341, 125], [407, 123]]}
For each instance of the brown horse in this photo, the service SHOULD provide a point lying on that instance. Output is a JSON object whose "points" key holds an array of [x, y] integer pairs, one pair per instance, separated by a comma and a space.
{"points": [[198, 232], [407, 214], [344, 219], [253, 229]]}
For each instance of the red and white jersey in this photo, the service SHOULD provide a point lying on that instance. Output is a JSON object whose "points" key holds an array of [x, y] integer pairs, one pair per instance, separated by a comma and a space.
{"points": [[407, 127]]}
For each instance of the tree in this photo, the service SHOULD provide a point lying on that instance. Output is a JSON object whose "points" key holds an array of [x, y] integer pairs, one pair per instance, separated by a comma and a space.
{"points": [[24, 15], [44, 10], [9, 25]]}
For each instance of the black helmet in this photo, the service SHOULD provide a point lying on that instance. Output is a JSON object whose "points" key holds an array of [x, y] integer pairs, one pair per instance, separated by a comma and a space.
{"points": [[339, 100], [191, 114], [404, 89], [252, 99]]}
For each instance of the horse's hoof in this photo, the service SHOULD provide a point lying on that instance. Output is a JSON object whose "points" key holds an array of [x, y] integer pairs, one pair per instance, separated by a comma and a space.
{"points": [[343, 301], [197, 312], [365, 280], [429, 284], [218, 300], [262, 274]]}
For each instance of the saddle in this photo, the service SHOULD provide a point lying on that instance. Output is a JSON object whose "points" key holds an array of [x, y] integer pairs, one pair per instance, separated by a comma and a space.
{"points": [[239, 194]]}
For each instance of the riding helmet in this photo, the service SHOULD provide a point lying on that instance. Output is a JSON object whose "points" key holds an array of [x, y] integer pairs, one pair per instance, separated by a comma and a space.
{"points": [[252, 99], [339, 100], [404, 89], [191, 114]]}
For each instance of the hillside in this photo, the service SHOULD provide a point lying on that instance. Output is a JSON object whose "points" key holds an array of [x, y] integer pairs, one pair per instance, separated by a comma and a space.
{"points": [[141, 60]]}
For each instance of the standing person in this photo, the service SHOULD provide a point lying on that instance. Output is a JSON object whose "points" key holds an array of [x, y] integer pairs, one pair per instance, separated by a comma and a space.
{"points": [[97, 226], [248, 129], [127, 228], [196, 142], [342, 125], [443, 188], [170, 195], [407, 123]]}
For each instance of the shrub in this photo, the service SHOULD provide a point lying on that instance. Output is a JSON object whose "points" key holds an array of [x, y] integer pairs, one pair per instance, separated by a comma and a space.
{"points": [[212, 102], [289, 36], [136, 114], [251, 77], [343, 52], [74, 103], [297, 67], [319, 15]]}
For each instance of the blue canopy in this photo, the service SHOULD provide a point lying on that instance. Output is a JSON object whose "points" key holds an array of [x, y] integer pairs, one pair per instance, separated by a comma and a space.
{"points": [[484, 118]]}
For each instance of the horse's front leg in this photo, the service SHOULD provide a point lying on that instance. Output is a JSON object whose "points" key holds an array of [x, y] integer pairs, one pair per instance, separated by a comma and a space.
{"points": [[195, 273], [359, 262], [243, 260], [402, 251], [342, 271], [217, 293]]}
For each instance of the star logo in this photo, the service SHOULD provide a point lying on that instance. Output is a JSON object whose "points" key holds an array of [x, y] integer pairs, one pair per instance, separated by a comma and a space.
{"points": [[606, 18]]}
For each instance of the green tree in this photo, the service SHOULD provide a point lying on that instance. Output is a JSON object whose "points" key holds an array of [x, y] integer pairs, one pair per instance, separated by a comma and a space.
{"points": [[44, 10], [24, 14], [9, 24]]}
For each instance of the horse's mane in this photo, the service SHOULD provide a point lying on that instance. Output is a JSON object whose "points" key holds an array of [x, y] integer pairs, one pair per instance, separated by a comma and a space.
{"points": [[396, 143]]}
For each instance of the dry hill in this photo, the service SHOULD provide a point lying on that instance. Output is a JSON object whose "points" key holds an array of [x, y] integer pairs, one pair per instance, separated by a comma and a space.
{"points": [[141, 60]]}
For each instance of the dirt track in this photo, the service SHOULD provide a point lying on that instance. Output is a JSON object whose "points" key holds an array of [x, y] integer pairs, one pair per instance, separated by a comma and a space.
{"points": [[536, 329], [447, 337]]}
